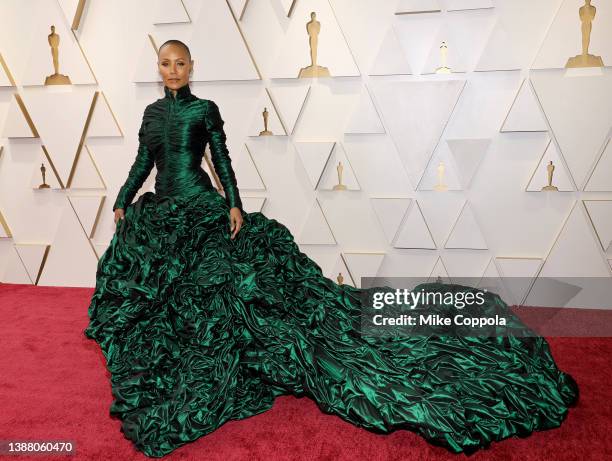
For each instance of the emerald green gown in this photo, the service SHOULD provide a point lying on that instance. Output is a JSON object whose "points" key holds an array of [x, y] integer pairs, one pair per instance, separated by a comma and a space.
{"points": [[198, 329]]}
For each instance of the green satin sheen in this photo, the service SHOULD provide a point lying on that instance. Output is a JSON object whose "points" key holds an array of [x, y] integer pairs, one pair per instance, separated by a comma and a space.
{"points": [[172, 136], [198, 329]]}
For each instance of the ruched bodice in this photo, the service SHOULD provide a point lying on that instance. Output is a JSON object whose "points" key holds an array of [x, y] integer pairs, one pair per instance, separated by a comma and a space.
{"points": [[172, 136]]}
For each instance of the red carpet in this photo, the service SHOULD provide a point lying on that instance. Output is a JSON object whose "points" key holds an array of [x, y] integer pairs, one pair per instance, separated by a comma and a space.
{"points": [[54, 385]]}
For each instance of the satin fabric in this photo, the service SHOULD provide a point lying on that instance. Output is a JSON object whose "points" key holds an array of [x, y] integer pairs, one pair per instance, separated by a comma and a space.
{"points": [[172, 136], [198, 329]]}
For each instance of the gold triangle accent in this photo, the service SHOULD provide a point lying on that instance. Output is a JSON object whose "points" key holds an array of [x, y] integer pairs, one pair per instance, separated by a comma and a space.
{"points": [[333, 146], [186, 11], [57, 176], [26, 115], [5, 226], [91, 245], [76, 21], [83, 136], [97, 220], [155, 47], [112, 113], [84, 56], [236, 21], [7, 71], [246, 3], [42, 264], [291, 8]]}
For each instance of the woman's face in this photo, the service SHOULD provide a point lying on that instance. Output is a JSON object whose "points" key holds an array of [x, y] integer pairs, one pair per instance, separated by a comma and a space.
{"points": [[174, 66]]}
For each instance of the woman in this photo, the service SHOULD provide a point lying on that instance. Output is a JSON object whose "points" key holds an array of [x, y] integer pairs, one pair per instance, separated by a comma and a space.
{"points": [[206, 313]]}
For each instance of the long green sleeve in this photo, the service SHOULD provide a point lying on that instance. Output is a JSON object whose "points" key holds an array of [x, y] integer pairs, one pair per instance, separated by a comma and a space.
{"points": [[138, 172], [220, 154]]}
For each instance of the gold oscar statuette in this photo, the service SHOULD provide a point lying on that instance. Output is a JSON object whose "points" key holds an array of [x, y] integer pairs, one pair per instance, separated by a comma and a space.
{"points": [[340, 279], [587, 15], [339, 186], [443, 69], [43, 170], [550, 168], [265, 132], [313, 27], [56, 78], [441, 186]]}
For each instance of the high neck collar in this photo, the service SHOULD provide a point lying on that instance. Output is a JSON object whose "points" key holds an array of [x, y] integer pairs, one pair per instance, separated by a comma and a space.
{"points": [[182, 93]]}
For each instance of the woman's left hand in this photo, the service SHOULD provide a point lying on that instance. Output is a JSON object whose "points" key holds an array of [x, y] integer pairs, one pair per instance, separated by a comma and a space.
{"points": [[235, 221]]}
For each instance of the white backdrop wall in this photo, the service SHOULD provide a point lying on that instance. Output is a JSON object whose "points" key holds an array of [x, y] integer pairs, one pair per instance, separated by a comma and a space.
{"points": [[508, 108]]}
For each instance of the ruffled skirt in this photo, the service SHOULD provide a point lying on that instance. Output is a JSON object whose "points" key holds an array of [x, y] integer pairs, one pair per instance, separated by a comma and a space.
{"points": [[198, 329]]}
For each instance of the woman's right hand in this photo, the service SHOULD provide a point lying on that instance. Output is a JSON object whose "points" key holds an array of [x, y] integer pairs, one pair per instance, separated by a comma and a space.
{"points": [[119, 214]]}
